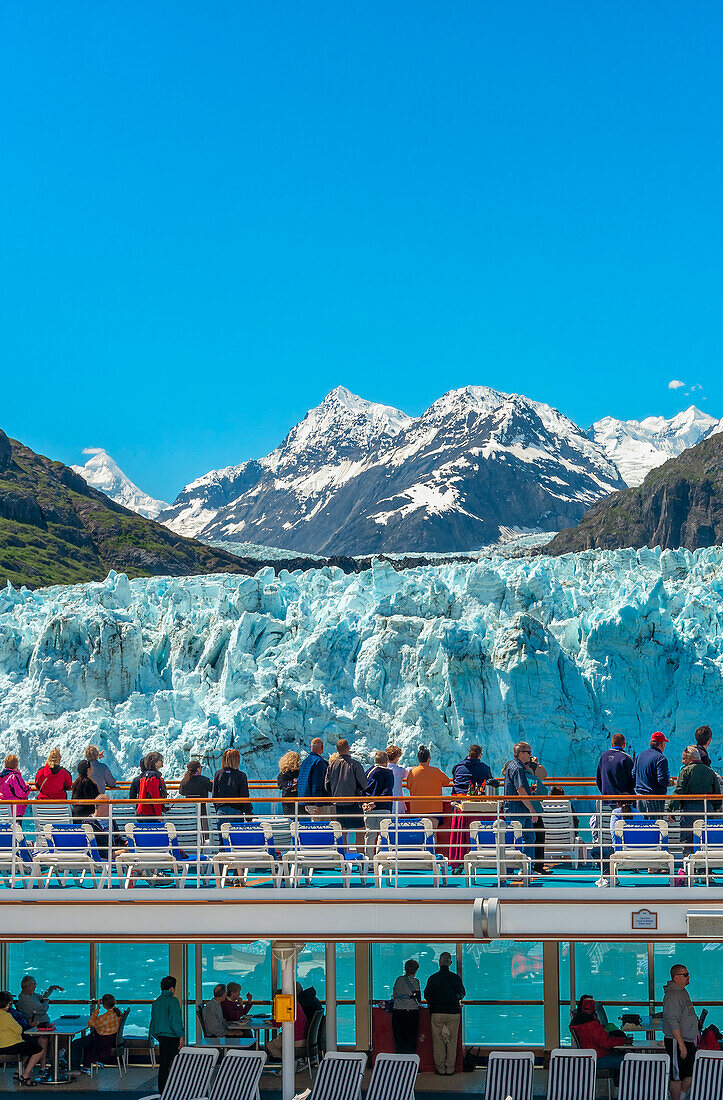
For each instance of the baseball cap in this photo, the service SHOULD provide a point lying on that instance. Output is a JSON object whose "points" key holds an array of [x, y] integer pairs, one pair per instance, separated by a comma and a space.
{"points": [[659, 737]]}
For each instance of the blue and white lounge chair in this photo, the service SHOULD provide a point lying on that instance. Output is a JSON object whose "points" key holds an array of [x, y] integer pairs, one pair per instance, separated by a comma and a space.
{"points": [[408, 845], [496, 847], [639, 846], [707, 854], [247, 846], [317, 846], [154, 850], [70, 849], [21, 860]]}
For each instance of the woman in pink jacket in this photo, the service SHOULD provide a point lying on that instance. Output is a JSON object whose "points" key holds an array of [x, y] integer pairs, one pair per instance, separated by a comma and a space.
{"points": [[12, 784]]}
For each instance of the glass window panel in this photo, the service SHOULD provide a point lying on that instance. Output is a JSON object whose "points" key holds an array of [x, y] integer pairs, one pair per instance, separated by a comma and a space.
{"points": [[503, 971], [388, 963], [65, 964], [345, 991], [311, 968], [249, 964], [612, 972], [132, 972], [704, 962]]}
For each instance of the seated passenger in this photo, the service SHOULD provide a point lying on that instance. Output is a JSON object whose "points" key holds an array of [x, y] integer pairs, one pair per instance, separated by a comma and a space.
{"points": [[32, 1007], [214, 1025], [309, 1001], [14, 1041], [99, 822], [273, 1048], [591, 1035], [104, 1028], [233, 1008]]}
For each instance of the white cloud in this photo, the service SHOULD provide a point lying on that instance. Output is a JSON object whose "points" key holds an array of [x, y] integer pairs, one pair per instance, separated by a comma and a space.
{"points": [[93, 450], [676, 384], [695, 387]]}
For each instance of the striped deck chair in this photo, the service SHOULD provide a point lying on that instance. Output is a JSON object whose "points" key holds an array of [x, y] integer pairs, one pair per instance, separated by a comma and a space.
{"points": [[644, 1077], [572, 1075], [239, 1075], [707, 1083], [190, 1075], [393, 1077], [509, 1074], [339, 1078]]}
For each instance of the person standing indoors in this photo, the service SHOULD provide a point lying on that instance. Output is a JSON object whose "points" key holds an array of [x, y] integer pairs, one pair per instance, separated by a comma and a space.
{"points": [[167, 1027], [52, 781], [231, 782], [652, 776], [100, 773], [443, 993], [406, 999], [472, 774], [288, 780], [427, 780], [345, 778], [615, 769], [312, 776], [400, 773], [680, 1028]]}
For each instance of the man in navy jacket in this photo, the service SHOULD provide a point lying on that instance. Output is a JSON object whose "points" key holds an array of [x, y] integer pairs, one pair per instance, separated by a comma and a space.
{"points": [[615, 769], [312, 775], [472, 772], [652, 775]]}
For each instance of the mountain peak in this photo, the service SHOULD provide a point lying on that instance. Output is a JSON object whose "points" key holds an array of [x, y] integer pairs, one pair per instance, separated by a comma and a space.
{"points": [[639, 446], [103, 472]]}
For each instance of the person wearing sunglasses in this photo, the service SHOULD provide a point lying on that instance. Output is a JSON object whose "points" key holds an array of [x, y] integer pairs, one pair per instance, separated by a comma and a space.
{"points": [[680, 1028]]}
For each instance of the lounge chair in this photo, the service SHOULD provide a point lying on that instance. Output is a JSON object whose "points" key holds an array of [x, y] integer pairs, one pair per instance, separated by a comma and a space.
{"points": [[707, 1083], [393, 1077], [572, 1075], [510, 1073], [639, 846], [318, 847], [239, 1075], [495, 847], [246, 847], [644, 1077], [47, 813], [69, 849], [190, 1075], [154, 849], [707, 854], [15, 856], [408, 845], [562, 844], [339, 1078]]}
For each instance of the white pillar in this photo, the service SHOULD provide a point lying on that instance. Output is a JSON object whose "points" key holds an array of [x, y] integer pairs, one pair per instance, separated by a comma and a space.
{"points": [[286, 954], [330, 951]]}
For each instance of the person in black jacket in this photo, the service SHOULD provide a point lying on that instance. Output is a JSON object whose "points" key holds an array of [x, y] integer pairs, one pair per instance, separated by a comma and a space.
{"points": [[194, 783], [229, 783], [443, 993], [615, 769], [83, 788]]}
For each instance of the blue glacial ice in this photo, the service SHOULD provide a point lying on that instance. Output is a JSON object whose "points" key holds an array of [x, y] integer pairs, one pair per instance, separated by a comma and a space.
{"points": [[562, 652]]}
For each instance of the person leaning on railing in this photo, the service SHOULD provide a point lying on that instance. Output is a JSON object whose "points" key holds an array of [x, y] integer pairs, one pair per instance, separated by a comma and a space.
{"points": [[52, 781], [312, 779], [12, 784], [231, 783], [100, 773], [694, 778]]}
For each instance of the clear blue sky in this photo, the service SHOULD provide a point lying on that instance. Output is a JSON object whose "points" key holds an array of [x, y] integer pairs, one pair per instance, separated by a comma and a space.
{"points": [[213, 213]]}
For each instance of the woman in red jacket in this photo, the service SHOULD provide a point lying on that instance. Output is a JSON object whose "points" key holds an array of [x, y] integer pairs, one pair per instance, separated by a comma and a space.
{"points": [[52, 781], [591, 1035]]}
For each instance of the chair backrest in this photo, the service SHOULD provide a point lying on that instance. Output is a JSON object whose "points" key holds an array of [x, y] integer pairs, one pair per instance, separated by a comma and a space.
{"points": [[63, 836], [239, 1075], [199, 1017], [246, 836], [312, 1032], [121, 1027], [152, 836], [707, 1083], [710, 837], [7, 831], [601, 1013], [316, 836], [46, 812], [413, 834], [339, 1076], [393, 1077], [574, 1039], [572, 1075], [509, 1073], [651, 835], [483, 835], [184, 816], [560, 837], [644, 1077], [190, 1073]]}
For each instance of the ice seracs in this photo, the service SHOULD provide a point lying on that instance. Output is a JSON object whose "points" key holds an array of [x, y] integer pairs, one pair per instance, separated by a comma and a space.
{"points": [[638, 446], [103, 473], [562, 652]]}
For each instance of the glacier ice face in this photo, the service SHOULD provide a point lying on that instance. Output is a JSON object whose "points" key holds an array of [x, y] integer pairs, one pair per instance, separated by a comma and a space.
{"points": [[561, 652]]}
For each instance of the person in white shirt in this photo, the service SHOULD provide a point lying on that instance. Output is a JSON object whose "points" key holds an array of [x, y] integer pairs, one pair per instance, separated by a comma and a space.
{"points": [[400, 774], [406, 998]]}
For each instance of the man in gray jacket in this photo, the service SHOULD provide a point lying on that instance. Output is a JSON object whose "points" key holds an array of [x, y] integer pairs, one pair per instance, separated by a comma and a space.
{"points": [[214, 1025], [346, 778], [680, 1028]]}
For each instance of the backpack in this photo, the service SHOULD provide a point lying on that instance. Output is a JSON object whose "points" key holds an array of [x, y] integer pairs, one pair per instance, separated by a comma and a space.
{"points": [[710, 1039], [150, 788]]}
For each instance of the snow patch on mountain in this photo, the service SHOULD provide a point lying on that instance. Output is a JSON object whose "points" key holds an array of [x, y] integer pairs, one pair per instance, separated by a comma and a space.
{"points": [[639, 446], [103, 473], [561, 652]]}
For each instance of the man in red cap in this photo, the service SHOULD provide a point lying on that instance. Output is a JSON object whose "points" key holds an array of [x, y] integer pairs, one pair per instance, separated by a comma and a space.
{"points": [[652, 776]]}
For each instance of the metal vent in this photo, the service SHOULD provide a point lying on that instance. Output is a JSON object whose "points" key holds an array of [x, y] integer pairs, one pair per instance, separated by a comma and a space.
{"points": [[705, 924]]}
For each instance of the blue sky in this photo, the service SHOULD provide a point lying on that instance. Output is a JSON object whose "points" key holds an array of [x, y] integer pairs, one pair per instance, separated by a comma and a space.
{"points": [[215, 213]]}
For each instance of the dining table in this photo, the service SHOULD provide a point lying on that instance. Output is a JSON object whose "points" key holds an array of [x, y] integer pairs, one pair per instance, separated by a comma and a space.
{"points": [[66, 1028]]}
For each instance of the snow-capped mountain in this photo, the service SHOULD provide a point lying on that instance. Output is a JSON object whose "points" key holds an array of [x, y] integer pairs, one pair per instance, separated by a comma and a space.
{"points": [[101, 472], [354, 477], [638, 446]]}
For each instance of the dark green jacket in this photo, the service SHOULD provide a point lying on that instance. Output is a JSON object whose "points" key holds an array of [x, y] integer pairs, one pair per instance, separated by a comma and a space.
{"points": [[695, 779]]}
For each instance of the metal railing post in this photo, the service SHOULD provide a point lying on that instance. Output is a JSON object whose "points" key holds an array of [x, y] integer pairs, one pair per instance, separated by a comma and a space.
{"points": [[498, 842], [110, 845], [13, 823], [198, 845], [396, 843], [600, 835]]}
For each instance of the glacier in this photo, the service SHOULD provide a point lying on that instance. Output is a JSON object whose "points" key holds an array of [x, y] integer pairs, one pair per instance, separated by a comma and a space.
{"points": [[562, 652]]}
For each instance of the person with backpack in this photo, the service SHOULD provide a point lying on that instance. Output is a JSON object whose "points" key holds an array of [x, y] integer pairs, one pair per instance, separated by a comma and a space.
{"points": [[149, 788], [231, 782], [52, 781], [12, 784]]}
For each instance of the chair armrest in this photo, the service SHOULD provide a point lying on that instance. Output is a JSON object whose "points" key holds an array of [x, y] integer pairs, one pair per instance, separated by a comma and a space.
{"points": [[152, 1096]]}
